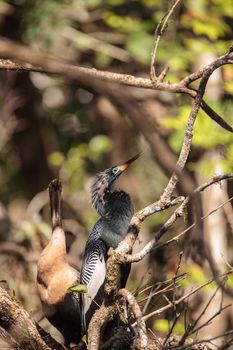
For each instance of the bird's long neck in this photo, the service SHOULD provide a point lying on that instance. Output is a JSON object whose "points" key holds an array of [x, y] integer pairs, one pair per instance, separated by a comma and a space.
{"points": [[118, 206], [53, 257], [100, 199], [57, 244], [118, 213]]}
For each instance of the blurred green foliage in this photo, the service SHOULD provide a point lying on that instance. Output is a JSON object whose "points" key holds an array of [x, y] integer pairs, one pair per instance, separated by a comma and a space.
{"points": [[163, 326], [82, 145], [78, 134]]}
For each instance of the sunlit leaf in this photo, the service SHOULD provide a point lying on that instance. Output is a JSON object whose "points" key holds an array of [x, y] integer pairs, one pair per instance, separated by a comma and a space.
{"points": [[84, 339], [81, 288]]}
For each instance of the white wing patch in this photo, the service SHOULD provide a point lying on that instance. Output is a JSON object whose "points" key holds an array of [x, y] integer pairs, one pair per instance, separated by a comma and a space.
{"points": [[95, 282]]}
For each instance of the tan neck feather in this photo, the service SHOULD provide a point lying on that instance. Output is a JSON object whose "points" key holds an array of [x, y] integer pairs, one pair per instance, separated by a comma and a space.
{"points": [[55, 252], [54, 272]]}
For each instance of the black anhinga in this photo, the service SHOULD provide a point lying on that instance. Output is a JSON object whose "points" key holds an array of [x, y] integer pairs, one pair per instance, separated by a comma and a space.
{"points": [[55, 276], [116, 211]]}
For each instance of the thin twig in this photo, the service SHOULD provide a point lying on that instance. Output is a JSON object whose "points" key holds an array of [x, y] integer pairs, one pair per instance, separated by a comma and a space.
{"points": [[178, 213], [157, 36], [196, 342], [215, 116], [177, 316], [184, 297], [191, 328]]}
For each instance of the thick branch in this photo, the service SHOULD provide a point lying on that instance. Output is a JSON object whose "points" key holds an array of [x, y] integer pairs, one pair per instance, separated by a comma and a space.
{"points": [[18, 324], [102, 315], [213, 115], [48, 64], [36, 61]]}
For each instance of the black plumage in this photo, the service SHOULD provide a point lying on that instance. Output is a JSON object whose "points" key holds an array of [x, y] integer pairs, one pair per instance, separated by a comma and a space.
{"points": [[116, 211]]}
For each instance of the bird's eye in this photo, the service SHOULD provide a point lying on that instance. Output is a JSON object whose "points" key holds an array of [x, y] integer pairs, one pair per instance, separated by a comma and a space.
{"points": [[115, 170]]}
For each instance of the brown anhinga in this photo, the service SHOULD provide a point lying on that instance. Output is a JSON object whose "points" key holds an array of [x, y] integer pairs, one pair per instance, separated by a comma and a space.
{"points": [[55, 276]]}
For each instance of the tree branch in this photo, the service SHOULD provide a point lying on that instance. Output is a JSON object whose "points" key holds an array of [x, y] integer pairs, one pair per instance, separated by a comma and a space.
{"points": [[141, 326], [179, 212], [22, 330], [157, 36], [101, 316], [184, 297], [42, 63], [38, 62]]}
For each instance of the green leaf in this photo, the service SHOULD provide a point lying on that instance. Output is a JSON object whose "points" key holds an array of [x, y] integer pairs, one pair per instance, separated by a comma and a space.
{"points": [[81, 288], [84, 339]]}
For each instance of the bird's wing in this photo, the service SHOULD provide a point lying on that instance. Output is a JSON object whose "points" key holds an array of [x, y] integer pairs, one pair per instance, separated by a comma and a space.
{"points": [[93, 276]]}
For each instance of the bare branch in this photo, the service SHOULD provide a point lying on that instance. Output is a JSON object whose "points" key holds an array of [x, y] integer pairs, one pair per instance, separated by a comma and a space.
{"points": [[193, 343], [177, 316], [184, 297], [179, 212], [157, 36], [141, 326], [36, 61], [47, 64], [214, 180], [43, 63], [101, 316], [214, 116], [40, 62], [18, 324], [207, 71], [157, 207], [191, 327]]}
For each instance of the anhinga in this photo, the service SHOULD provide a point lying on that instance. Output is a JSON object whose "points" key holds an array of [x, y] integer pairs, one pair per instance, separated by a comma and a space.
{"points": [[55, 276], [116, 211]]}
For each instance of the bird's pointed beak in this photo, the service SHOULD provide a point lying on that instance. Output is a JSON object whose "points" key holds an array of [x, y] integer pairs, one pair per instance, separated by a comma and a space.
{"points": [[125, 165]]}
